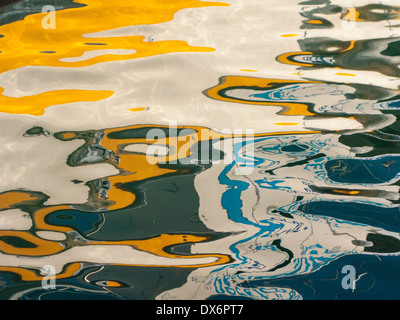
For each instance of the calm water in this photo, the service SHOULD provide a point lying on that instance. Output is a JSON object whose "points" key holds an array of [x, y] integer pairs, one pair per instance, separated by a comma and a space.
{"points": [[186, 149]]}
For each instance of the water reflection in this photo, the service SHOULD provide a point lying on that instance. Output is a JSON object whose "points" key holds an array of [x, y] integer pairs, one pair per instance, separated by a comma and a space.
{"points": [[211, 212]]}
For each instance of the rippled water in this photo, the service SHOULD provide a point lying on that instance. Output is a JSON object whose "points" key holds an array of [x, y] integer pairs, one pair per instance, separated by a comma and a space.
{"points": [[276, 171]]}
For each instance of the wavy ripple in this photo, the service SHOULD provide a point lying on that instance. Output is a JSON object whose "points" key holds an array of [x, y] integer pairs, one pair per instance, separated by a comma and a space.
{"points": [[275, 138]]}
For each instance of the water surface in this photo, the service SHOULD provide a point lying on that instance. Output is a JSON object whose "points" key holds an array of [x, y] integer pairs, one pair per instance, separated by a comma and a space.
{"points": [[276, 125]]}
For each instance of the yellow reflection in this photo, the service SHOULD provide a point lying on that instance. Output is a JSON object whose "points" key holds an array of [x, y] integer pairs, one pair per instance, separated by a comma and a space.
{"points": [[36, 104], [24, 243], [351, 192], [286, 58], [138, 109], [345, 74], [10, 198], [315, 21], [27, 43], [290, 108]]}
